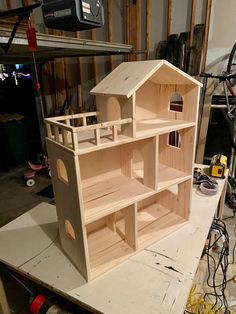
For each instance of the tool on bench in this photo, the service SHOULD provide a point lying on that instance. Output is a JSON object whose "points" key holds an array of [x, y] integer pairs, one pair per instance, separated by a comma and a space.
{"points": [[218, 166], [207, 185]]}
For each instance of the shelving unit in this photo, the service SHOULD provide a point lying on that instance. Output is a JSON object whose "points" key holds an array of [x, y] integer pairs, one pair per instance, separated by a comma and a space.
{"points": [[125, 182]]}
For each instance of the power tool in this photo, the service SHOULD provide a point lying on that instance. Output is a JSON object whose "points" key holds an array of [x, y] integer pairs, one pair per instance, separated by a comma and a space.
{"points": [[218, 166]]}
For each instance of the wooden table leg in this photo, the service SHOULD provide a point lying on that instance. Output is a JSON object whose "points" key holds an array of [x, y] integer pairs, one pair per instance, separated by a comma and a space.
{"points": [[4, 307]]}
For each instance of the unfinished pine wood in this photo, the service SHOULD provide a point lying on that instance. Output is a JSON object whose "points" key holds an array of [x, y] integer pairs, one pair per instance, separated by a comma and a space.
{"points": [[206, 35], [132, 182], [66, 181], [128, 77], [170, 17], [148, 27], [192, 24]]}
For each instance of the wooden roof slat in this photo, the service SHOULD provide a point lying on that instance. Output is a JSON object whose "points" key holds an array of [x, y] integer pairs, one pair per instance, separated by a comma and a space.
{"points": [[129, 76]]}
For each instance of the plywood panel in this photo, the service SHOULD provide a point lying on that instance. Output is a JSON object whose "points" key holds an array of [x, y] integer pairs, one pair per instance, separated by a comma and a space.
{"points": [[177, 200], [100, 165], [69, 206], [178, 158], [129, 76]]}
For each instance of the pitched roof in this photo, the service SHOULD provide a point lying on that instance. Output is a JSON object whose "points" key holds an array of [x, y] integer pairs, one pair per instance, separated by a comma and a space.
{"points": [[129, 76]]}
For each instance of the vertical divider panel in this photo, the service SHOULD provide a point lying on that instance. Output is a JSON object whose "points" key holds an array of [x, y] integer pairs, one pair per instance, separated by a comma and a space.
{"points": [[126, 157], [178, 203], [127, 107], [131, 232], [149, 152]]}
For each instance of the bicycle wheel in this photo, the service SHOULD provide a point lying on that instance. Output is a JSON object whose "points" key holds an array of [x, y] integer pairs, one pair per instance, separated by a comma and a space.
{"points": [[231, 66]]}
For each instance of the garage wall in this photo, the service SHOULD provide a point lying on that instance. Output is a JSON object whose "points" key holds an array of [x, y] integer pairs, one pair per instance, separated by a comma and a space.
{"points": [[222, 34], [75, 76]]}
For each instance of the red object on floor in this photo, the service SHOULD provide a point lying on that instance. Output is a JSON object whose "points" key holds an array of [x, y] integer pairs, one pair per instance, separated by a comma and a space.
{"points": [[37, 303]]}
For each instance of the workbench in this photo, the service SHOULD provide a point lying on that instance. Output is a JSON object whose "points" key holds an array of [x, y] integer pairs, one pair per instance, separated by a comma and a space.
{"points": [[157, 280]]}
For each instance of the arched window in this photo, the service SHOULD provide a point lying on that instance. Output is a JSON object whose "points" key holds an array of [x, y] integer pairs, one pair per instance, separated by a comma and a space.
{"points": [[61, 171], [69, 230]]}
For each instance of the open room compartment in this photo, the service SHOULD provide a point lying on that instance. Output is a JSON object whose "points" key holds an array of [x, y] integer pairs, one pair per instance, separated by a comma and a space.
{"points": [[111, 179], [161, 107], [175, 157], [111, 240], [163, 213]]}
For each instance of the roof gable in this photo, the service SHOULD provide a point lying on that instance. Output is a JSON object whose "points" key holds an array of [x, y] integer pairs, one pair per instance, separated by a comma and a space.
{"points": [[129, 76]]}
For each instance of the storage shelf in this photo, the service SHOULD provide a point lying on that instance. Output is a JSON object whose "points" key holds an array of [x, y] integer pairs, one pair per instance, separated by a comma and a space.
{"points": [[156, 222], [168, 176], [106, 250], [150, 127], [108, 196]]}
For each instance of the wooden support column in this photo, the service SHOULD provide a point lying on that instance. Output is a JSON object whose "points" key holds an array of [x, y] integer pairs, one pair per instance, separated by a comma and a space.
{"points": [[138, 27], [132, 28], [95, 68], [81, 85], [206, 34], [169, 17], [9, 4], [110, 30], [148, 27], [193, 14]]}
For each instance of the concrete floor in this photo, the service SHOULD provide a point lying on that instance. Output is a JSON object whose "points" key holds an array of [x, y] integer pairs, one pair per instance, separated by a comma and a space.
{"points": [[15, 197]]}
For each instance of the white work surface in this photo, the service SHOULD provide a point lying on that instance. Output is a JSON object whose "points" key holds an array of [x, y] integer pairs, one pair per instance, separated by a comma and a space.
{"points": [[156, 280]]}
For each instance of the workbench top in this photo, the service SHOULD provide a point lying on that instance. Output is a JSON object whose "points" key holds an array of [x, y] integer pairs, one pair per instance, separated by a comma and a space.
{"points": [[157, 280]]}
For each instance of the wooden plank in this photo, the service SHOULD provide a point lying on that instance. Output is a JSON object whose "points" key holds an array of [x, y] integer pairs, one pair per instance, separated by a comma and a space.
{"points": [[176, 157], [49, 130], [110, 222], [170, 17], [65, 137], [95, 67], [105, 198], [132, 29], [73, 116], [9, 4], [206, 35], [69, 194], [192, 24], [138, 10], [128, 77], [149, 153], [110, 29], [81, 79], [130, 217], [97, 136], [56, 131], [203, 126], [148, 27], [75, 140]]}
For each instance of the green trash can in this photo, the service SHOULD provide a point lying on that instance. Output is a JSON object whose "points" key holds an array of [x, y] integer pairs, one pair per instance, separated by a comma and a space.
{"points": [[15, 139]]}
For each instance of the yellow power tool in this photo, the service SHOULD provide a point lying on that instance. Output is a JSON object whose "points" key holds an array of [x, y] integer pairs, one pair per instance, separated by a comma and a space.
{"points": [[218, 166]]}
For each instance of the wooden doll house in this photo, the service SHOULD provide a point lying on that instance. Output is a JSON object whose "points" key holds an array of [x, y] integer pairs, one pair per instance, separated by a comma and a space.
{"points": [[125, 182]]}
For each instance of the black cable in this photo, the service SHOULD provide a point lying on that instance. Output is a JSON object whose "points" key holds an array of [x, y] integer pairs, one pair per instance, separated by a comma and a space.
{"points": [[220, 265]]}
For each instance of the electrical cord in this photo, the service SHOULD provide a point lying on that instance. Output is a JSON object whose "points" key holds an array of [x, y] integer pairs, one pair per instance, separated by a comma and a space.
{"points": [[220, 266], [213, 301]]}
